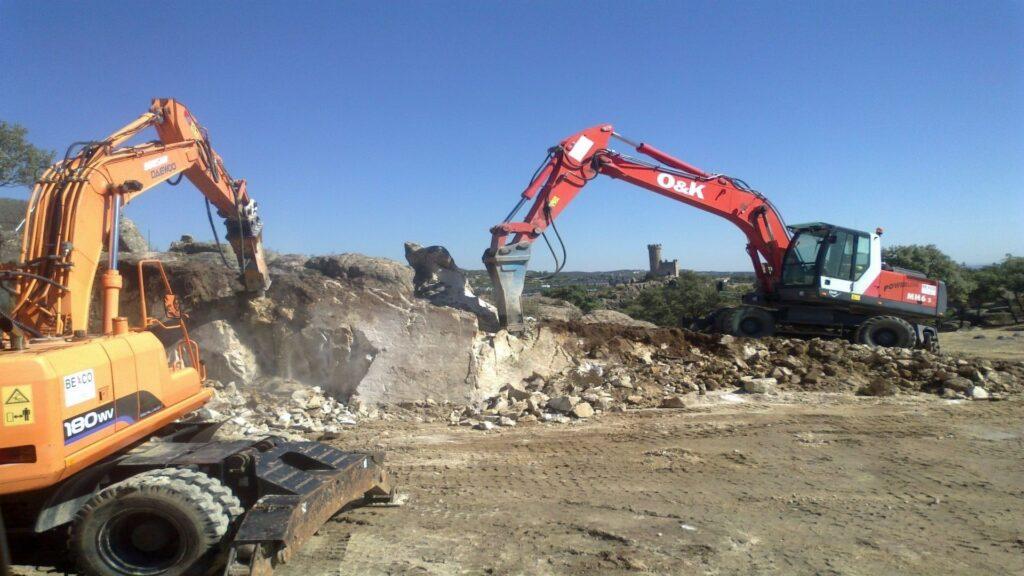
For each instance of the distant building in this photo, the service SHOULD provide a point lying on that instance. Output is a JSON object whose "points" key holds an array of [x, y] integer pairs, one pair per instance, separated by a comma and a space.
{"points": [[660, 268]]}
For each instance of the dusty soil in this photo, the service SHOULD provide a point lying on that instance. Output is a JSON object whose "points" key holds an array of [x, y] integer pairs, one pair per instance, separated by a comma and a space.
{"points": [[801, 483], [1006, 343], [810, 483], [814, 484]]}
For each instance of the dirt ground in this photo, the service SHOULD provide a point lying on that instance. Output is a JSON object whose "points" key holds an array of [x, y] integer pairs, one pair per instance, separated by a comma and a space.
{"points": [[804, 483], [813, 484], [994, 343]]}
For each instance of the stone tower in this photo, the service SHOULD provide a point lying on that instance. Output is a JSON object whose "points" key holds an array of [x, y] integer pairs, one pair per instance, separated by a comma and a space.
{"points": [[654, 255]]}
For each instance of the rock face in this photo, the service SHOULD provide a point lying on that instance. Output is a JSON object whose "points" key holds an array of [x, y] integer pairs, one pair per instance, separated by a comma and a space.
{"points": [[226, 357], [353, 326], [366, 270], [347, 323], [188, 245], [131, 239], [439, 280]]}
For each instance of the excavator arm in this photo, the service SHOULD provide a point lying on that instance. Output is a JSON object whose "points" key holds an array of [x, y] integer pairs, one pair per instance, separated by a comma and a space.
{"points": [[582, 157], [76, 205]]}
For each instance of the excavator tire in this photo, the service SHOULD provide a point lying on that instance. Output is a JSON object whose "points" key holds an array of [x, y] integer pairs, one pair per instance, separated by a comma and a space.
{"points": [[750, 322], [886, 331], [719, 320], [167, 522]]}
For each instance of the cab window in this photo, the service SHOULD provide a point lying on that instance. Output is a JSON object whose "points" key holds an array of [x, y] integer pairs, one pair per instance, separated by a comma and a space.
{"points": [[862, 258], [799, 267], [839, 256]]}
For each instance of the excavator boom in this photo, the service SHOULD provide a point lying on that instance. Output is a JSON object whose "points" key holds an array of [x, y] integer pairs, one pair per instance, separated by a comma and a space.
{"points": [[77, 203], [582, 157], [96, 431], [825, 278]]}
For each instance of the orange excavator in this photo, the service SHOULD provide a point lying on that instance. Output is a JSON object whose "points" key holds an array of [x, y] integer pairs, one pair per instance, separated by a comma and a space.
{"points": [[93, 433], [813, 278]]}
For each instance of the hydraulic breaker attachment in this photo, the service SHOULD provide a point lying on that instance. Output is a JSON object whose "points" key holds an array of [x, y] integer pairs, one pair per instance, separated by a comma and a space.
{"points": [[507, 268], [304, 484]]}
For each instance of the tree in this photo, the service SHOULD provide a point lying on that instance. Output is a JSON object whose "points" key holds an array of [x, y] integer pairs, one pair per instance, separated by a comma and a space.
{"points": [[932, 262], [988, 287], [21, 163], [1012, 271], [576, 295], [684, 299]]}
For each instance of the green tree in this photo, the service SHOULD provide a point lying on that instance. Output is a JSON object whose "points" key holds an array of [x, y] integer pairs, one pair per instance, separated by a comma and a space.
{"points": [[988, 287], [1012, 271], [577, 295], [932, 262], [678, 303], [21, 163]]}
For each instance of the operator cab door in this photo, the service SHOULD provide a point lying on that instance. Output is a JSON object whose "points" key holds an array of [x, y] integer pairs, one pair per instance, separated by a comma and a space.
{"points": [[849, 262], [800, 267], [825, 261]]}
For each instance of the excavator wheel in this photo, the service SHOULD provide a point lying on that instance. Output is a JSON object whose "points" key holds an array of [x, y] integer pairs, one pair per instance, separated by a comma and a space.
{"points": [[169, 521], [887, 331], [719, 320], [750, 322]]}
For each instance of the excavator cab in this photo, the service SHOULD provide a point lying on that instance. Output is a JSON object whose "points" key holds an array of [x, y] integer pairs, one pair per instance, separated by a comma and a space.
{"points": [[830, 257]]}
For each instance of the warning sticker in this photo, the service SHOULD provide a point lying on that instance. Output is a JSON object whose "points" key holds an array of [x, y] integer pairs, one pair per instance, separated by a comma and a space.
{"points": [[18, 409]]}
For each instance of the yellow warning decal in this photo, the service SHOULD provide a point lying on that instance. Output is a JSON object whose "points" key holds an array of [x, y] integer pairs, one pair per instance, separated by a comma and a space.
{"points": [[17, 405], [553, 202], [855, 297]]}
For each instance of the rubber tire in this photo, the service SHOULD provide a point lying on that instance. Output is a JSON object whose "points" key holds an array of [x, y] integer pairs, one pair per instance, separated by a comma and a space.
{"points": [[739, 322], [201, 508], [887, 331], [720, 320]]}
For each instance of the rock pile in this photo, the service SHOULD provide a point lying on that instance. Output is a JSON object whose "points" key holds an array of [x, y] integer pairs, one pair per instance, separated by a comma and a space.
{"points": [[622, 367], [292, 410]]}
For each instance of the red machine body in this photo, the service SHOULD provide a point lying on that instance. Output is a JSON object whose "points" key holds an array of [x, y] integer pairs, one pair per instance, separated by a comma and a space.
{"points": [[813, 274]]}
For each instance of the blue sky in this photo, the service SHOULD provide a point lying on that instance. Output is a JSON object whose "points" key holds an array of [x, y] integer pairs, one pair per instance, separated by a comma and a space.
{"points": [[361, 125]]}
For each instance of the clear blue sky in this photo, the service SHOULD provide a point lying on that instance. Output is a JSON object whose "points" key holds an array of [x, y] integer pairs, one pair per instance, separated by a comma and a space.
{"points": [[362, 125]]}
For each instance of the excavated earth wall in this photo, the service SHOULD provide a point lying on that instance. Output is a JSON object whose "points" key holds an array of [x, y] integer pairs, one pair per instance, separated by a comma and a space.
{"points": [[347, 323]]}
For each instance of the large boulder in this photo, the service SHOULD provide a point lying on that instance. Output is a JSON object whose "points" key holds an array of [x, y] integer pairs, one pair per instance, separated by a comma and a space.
{"points": [[439, 280], [366, 270], [131, 239], [227, 358]]}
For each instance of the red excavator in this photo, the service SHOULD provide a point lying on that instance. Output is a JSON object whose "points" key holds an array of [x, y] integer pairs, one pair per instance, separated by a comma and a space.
{"points": [[813, 278], [92, 435]]}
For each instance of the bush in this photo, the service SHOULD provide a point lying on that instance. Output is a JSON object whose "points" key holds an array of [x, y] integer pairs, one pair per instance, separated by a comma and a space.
{"points": [[678, 303], [579, 296]]}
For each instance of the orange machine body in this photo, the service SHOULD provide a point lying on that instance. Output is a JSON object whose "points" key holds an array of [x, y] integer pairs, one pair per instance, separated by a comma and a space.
{"points": [[69, 398], [68, 404]]}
